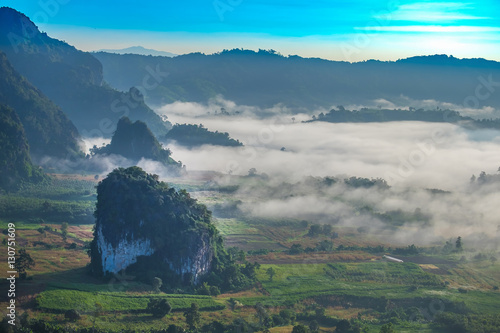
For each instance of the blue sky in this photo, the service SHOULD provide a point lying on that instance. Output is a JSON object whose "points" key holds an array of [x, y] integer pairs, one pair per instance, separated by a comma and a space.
{"points": [[340, 30]]}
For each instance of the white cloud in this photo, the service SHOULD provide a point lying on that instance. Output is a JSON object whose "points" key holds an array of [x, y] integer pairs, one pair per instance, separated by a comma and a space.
{"points": [[437, 12], [431, 28]]}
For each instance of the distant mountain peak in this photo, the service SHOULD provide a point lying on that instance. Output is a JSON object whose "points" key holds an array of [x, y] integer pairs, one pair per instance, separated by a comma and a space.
{"points": [[139, 50]]}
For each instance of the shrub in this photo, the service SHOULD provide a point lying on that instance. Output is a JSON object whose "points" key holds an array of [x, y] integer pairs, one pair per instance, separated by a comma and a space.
{"points": [[72, 315], [158, 307]]}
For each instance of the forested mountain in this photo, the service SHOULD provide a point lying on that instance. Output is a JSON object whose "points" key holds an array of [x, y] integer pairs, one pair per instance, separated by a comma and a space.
{"points": [[152, 229], [71, 78], [197, 135], [48, 130], [15, 162], [365, 115], [266, 78], [135, 141]]}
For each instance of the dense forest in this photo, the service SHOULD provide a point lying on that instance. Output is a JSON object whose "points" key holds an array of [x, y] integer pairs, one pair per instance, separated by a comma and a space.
{"points": [[365, 115], [133, 205], [48, 130], [302, 83], [135, 141], [15, 161], [197, 135]]}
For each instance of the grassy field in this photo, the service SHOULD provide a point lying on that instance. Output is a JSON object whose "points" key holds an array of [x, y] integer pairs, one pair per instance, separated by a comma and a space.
{"points": [[60, 300]]}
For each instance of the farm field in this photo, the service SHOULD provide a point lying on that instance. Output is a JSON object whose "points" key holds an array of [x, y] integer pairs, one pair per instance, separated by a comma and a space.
{"points": [[348, 281]]}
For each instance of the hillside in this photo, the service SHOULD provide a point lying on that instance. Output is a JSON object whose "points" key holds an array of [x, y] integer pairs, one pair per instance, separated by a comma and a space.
{"points": [[15, 162], [365, 115], [71, 78], [48, 130], [266, 78], [146, 225], [190, 135], [135, 141]]}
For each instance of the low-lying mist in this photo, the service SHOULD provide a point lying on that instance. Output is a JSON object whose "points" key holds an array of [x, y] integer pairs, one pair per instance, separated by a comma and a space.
{"points": [[413, 157], [427, 167]]}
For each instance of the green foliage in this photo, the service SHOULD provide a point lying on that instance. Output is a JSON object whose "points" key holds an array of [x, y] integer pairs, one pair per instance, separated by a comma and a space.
{"points": [[197, 135], [395, 273], [23, 262], [64, 230], [157, 283], [193, 316], [300, 329], [72, 315], [315, 230], [130, 198], [135, 141], [270, 272], [15, 162], [384, 115], [47, 129], [26, 208], [357, 182], [61, 300], [468, 323], [159, 307], [387, 328], [132, 202]]}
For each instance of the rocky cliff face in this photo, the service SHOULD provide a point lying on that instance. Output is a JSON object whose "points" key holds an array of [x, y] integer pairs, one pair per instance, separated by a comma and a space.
{"points": [[196, 263], [139, 218], [116, 258]]}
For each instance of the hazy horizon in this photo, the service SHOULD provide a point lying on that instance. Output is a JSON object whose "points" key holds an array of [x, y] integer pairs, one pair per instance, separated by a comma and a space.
{"points": [[354, 31]]}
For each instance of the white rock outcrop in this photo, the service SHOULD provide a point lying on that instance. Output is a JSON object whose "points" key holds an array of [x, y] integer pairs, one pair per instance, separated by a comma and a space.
{"points": [[114, 259]]}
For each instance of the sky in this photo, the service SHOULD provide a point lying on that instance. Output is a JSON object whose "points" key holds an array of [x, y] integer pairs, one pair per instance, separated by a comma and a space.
{"points": [[346, 30]]}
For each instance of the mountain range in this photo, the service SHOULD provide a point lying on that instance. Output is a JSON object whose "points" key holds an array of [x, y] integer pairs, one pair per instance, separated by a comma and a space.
{"points": [[71, 78], [139, 50], [266, 78]]}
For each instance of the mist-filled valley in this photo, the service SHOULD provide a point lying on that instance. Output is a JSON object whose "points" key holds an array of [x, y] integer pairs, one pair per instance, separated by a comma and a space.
{"points": [[145, 189]]}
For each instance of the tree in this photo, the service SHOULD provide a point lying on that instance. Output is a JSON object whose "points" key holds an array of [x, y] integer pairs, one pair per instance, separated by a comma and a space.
{"points": [[23, 262], [325, 246], [458, 244], [271, 272], [327, 229], [387, 328], [193, 316], [175, 329], [261, 313], [314, 326], [296, 249], [315, 230], [288, 316], [158, 307], [300, 329], [320, 312], [214, 291], [252, 172], [343, 326], [72, 315], [157, 283], [64, 230]]}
